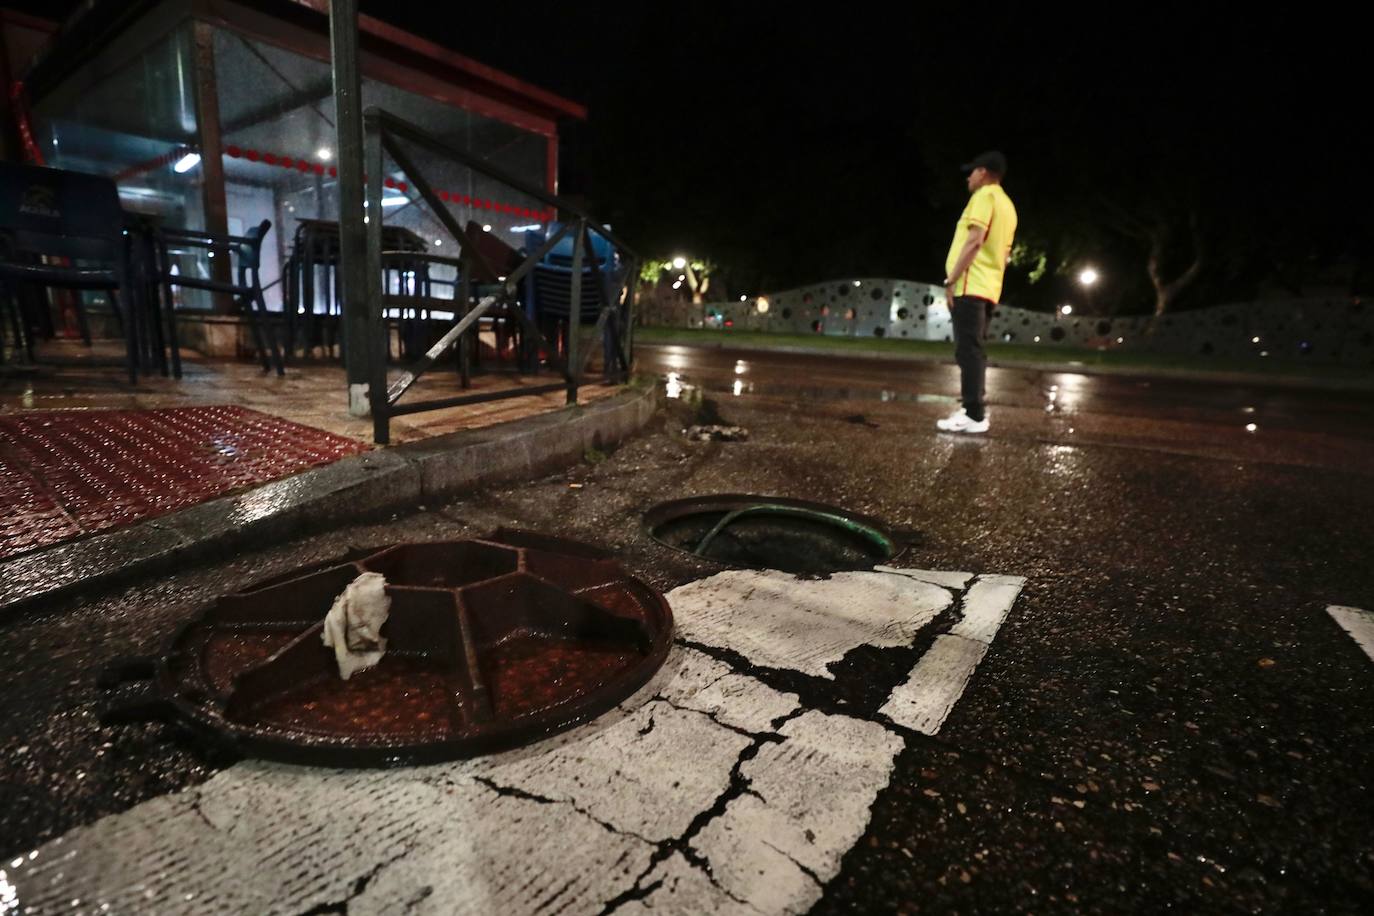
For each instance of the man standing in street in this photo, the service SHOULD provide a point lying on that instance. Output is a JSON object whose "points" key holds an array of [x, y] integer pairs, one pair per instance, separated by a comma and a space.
{"points": [[974, 269]]}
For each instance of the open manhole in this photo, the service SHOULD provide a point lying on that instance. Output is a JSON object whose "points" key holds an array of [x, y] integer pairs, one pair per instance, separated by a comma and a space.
{"points": [[771, 532], [492, 643]]}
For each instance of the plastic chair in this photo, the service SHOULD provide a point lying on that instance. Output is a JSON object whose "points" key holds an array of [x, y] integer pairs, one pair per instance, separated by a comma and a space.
{"points": [[315, 249], [73, 217], [246, 250], [548, 288]]}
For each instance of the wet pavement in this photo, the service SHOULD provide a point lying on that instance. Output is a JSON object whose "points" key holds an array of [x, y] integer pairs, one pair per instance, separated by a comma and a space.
{"points": [[69, 473], [69, 376], [1168, 717], [82, 451]]}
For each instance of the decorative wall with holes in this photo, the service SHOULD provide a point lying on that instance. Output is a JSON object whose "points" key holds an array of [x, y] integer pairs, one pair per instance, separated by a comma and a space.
{"points": [[843, 308], [1328, 330], [1317, 330]]}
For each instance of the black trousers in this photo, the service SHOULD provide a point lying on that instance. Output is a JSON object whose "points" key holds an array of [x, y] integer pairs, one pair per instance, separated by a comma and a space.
{"points": [[969, 316]]}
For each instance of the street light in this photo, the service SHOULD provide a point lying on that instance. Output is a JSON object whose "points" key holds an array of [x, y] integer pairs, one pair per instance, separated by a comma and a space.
{"points": [[679, 263], [1066, 309], [1087, 278]]}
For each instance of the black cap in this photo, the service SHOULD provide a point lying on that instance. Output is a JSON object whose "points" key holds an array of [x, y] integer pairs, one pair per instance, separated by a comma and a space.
{"points": [[992, 160]]}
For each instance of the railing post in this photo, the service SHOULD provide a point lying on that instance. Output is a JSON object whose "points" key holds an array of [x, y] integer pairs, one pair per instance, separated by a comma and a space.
{"points": [[343, 35], [211, 157], [575, 310], [378, 335], [628, 327], [610, 305]]}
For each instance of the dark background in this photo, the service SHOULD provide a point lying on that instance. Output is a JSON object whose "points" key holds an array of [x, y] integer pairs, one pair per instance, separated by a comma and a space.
{"points": [[791, 146]]}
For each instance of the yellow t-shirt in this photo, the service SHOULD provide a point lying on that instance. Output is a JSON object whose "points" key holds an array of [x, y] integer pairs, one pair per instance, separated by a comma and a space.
{"points": [[991, 208]]}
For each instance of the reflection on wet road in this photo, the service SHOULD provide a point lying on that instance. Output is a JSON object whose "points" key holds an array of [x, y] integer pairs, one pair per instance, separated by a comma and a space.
{"points": [[1173, 714], [1214, 419]]}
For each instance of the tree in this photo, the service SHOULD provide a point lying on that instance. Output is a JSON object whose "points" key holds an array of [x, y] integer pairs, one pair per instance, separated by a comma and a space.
{"points": [[1166, 251], [696, 274]]}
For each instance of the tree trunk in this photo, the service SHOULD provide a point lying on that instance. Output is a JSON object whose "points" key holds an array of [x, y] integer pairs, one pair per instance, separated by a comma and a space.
{"points": [[1155, 233], [1167, 291], [698, 286], [1164, 292], [1162, 302]]}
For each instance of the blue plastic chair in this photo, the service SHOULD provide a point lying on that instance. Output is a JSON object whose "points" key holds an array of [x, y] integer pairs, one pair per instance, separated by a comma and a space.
{"points": [[548, 287]]}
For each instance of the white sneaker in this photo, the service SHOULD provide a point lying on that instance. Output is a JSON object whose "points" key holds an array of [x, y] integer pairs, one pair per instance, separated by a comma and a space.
{"points": [[959, 422]]}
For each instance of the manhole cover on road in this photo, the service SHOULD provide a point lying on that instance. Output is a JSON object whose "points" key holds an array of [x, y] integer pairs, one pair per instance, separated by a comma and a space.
{"points": [[491, 643], [771, 532]]}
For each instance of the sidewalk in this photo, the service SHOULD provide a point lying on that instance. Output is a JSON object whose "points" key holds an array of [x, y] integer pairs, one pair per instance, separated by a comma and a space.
{"points": [[312, 394], [100, 481]]}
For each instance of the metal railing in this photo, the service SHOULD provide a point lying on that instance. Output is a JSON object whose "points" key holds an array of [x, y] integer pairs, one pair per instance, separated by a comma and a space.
{"points": [[385, 134]]}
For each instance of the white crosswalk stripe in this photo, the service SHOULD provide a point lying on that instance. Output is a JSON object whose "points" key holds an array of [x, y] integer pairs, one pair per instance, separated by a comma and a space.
{"points": [[708, 791], [935, 684], [941, 674], [776, 620], [1358, 623]]}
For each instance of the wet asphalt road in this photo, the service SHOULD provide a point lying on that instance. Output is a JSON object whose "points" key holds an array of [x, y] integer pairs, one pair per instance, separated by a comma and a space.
{"points": [[1168, 719]]}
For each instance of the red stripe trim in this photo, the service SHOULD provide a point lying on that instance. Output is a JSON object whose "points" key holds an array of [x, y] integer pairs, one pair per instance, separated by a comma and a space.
{"points": [[305, 167], [252, 155], [19, 105]]}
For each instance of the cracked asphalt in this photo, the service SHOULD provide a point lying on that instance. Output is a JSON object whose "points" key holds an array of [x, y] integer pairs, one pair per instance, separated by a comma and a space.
{"points": [[1168, 719]]}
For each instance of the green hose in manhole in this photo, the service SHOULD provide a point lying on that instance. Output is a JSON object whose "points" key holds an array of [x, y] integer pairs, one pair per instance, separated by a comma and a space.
{"points": [[772, 533]]}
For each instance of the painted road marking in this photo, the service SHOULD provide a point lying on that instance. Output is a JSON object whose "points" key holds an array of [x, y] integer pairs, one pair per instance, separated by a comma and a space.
{"points": [[935, 684], [609, 813], [708, 791], [941, 674], [808, 803], [985, 607], [954, 580], [1358, 623], [776, 620]]}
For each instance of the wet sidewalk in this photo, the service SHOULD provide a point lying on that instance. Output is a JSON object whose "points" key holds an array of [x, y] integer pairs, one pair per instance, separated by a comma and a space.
{"points": [[82, 451], [313, 394], [65, 474]]}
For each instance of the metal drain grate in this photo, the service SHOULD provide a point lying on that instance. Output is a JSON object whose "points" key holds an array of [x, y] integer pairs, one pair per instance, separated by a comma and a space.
{"points": [[491, 643]]}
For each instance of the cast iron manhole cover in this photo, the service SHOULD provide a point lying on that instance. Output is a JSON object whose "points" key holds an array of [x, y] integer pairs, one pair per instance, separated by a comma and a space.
{"points": [[771, 532], [491, 643]]}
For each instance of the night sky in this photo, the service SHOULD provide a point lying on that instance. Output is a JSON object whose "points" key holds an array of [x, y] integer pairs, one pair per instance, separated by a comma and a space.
{"points": [[793, 147]]}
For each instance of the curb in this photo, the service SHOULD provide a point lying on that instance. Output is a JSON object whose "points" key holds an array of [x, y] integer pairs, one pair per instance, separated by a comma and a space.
{"points": [[353, 489], [1190, 375]]}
